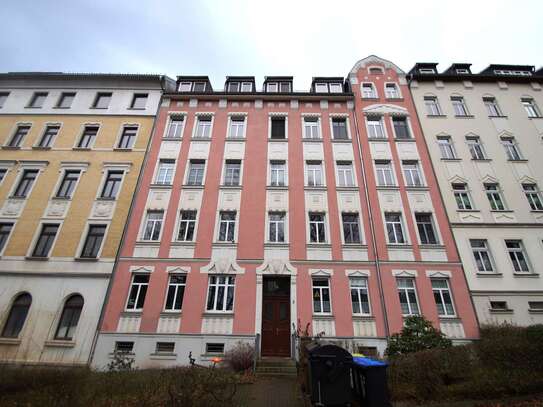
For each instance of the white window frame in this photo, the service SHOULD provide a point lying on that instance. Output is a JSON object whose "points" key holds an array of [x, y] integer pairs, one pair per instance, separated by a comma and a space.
{"points": [[476, 254], [512, 150], [321, 290], [168, 171], [37, 234], [187, 172], [460, 108], [313, 125], [64, 168], [269, 227], [160, 222], [406, 290], [411, 171], [531, 108], [13, 223], [476, 148], [396, 94], [82, 131], [374, 127], [368, 95], [175, 118], [446, 148], [360, 288], [408, 127], [347, 126], [275, 115], [492, 107], [124, 168], [395, 225], [345, 176], [441, 291], [516, 253], [494, 195], [462, 193], [229, 224], [432, 225], [42, 135], [324, 224], [335, 87], [321, 85], [382, 168], [230, 282], [180, 221], [533, 195], [185, 87], [432, 106], [139, 285], [314, 172], [198, 120], [177, 287], [284, 171], [225, 173], [237, 134]]}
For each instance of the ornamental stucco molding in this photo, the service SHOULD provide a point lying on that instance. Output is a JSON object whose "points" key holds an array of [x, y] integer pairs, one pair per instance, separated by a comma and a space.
{"points": [[277, 267], [381, 109], [375, 60], [222, 266]]}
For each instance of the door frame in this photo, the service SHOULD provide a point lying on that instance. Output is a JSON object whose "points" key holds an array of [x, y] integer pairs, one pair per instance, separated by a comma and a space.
{"points": [[275, 268]]}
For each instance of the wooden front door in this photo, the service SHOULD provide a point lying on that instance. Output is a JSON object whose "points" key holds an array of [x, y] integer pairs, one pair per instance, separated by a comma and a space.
{"points": [[276, 318]]}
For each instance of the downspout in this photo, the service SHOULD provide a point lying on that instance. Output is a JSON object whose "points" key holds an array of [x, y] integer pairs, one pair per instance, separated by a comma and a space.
{"points": [[372, 226], [125, 228]]}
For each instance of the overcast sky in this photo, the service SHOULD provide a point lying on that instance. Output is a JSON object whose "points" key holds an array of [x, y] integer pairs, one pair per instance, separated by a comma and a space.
{"points": [[257, 37]]}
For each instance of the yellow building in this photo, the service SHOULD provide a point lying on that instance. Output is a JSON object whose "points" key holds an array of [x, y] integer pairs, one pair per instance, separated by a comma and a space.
{"points": [[72, 146]]}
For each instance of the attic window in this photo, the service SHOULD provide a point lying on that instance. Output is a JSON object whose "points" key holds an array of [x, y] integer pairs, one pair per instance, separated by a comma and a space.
{"points": [[336, 88], [376, 71], [185, 86], [246, 86], [285, 86], [321, 88], [510, 72], [427, 70], [233, 87], [462, 71], [199, 87]]}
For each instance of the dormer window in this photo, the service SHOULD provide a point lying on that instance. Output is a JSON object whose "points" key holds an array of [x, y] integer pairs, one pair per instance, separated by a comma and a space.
{"points": [[272, 87], [462, 71], [246, 86], [427, 70], [233, 87], [284, 86], [199, 87], [321, 88], [336, 88], [511, 72], [185, 86]]}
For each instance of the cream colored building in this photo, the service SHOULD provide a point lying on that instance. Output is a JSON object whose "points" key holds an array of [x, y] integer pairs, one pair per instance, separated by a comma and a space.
{"points": [[484, 132], [71, 149]]}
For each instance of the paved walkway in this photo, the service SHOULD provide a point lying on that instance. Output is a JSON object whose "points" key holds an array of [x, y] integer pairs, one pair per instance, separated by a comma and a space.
{"points": [[272, 392]]}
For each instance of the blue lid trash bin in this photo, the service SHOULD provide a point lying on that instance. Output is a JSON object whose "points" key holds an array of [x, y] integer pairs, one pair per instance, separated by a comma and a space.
{"points": [[370, 382]]}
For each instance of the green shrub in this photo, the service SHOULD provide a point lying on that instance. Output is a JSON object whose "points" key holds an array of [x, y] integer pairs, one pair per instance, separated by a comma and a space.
{"points": [[417, 334]]}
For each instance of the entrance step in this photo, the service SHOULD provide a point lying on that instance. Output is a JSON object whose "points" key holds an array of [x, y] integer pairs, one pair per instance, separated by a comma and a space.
{"points": [[276, 367]]}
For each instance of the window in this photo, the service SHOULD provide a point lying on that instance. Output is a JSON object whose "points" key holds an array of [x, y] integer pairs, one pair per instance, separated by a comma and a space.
{"points": [[335, 87], [187, 225], [88, 136], [246, 86], [375, 71], [512, 150], [276, 227], [66, 99], [461, 195], [220, 294], [175, 127], [408, 296], [3, 98], [165, 347], [535, 305], [394, 227], [314, 173], [284, 87], [481, 253], [530, 107], [426, 229], [321, 296], [17, 316], [215, 348], [459, 106], [69, 318], [138, 290], [385, 175], [5, 230], [311, 128], [102, 100], [518, 256], [48, 136], [123, 347], [112, 184], [427, 70], [128, 137], [345, 174], [411, 172], [25, 183], [93, 242], [203, 127], [317, 232], [38, 99], [321, 87], [492, 107], [232, 172], [446, 148], [164, 174], [278, 173], [476, 148], [278, 128], [139, 101], [3, 172], [401, 128], [533, 195], [391, 91], [176, 291], [272, 87], [351, 227], [199, 87], [196, 172], [494, 196], [462, 71], [68, 183], [237, 127], [368, 91], [432, 106], [185, 86], [153, 225], [442, 297], [227, 226], [19, 135], [45, 240], [375, 127], [359, 295], [339, 128]]}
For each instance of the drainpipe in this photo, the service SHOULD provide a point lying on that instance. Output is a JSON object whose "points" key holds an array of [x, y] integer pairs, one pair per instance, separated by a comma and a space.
{"points": [[372, 226], [162, 80]]}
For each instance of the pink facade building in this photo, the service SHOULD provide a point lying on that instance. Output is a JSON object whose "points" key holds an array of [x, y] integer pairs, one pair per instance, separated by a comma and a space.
{"points": [[263, 212]]}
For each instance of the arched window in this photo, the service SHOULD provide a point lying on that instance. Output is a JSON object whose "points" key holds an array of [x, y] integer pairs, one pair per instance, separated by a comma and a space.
{"points": [[17, 316], [69, 318]]}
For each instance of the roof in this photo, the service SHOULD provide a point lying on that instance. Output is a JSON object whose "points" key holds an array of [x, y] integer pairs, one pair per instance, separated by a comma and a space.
{"points": [[374, 59]]}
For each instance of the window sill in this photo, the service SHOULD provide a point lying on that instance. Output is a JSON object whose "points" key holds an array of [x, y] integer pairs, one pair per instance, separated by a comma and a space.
{"points": [[104, 198], [328, 316], [10, 341], [436, 246], [276, 244], [501, 211], [278, 187], [17, 198], [10, 148], [274, 140], [526, 275], [160, 186], [341, 140], [536, 117], [347, 188], [500, 311], [487, 275], [315, 188], [171, 313], [200, 139], [481, 159], [136, 108], [41, 148], [190, 186], [312, 140], [377, 139], [121, 149], [315, 245], [59, 343], [354, 246], [518, 161], [467, 210], [409, 140], [61, 107], [98, 108], [148, 243], [35, 258], [172, 139], [399, 99], [464, 116], [179, 243], [497, 117], [221, 314], [81, 148], [399, 246], [225, 244], [450, 159], [417, 188], [163, 356], [235, 139], [436, 116], [86, 259], [536, 210], [231, 187], [363, 317], [535, 311], [131, 313], [61, 198], [372, 98], [388, 187]]}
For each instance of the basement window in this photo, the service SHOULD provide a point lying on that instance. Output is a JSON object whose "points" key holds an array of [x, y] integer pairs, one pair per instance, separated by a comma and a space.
{"points": [[165, 347], [499, 306], [124, 347], [535, 306], [217, 348]]}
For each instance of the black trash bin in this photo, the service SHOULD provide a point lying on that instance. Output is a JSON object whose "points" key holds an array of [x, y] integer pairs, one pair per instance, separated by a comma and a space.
{"points": [[329, 374], [370, 382]]}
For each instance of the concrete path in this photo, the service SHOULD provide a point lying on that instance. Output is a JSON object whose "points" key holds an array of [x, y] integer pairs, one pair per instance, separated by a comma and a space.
{"points": [[272, 391]]}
